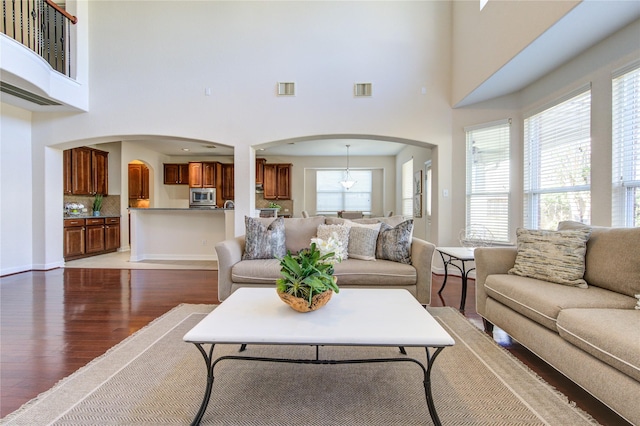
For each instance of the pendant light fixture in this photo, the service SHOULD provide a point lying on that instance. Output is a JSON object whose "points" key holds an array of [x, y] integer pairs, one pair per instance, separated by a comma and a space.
{"points": [[347, 182]]}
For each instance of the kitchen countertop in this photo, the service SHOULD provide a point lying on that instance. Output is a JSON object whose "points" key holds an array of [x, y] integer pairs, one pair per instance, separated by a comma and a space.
{"points": [[198, 209], [88, 216]]}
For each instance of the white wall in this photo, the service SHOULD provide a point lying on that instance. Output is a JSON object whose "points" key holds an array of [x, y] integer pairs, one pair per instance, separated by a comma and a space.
{"points": [[16, 189]]}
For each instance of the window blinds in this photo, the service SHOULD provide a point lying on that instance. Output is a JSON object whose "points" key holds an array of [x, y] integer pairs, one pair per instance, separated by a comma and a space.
{"points": [[626, 147], [488, 189], [407, 188], [557, 164], [332, 197]]}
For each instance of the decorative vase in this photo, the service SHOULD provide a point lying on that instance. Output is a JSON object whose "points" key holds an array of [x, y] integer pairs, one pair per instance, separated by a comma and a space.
{"points": [[302, 305], [96, 212]]}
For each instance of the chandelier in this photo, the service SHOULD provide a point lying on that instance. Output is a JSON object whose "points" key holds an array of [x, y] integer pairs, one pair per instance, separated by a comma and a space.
{"points": [[347, 182]]}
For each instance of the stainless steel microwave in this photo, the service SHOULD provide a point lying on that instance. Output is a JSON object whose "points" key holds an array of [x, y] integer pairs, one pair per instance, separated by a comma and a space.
{"points": [[202, 197]]}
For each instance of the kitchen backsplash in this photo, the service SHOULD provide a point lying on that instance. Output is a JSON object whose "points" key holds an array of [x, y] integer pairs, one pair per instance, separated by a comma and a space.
{"points": [[110, 203], [261, 203]]}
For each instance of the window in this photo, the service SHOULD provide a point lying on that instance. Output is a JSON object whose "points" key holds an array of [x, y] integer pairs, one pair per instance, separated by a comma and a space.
{"points": [[332, 197], [407, 188], [488, 189], [557, 163], [626, 148]]}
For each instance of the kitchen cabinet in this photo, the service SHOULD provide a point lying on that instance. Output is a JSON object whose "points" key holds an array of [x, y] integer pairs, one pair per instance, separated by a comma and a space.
{"points": [[228, 191], [138, 181], [111, 234], [202, 175], [260, 171], [90, 236], [73, 238], [86, 171], [176, 173], [277, 181]]}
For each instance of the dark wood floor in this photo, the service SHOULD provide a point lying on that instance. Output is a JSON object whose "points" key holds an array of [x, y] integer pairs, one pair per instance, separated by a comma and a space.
{"points": [[54, 322]]}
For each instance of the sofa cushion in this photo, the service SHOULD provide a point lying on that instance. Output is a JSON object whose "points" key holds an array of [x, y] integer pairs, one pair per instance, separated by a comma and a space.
{"points": [[613, 258], [362, 241], [542, 301], [264, 241], [381, 272], [611, 335], [554, 256], [349, 272], [339, 232], [394, 243], [298, 231]]}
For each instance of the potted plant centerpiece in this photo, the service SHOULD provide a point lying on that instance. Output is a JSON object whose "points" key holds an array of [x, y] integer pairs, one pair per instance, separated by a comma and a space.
{"points": [[307, 281], [97, 205]]}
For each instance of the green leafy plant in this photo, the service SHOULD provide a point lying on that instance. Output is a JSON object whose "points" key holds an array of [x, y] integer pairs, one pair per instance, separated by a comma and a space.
{"points": [[306, 274], [97, 203]]}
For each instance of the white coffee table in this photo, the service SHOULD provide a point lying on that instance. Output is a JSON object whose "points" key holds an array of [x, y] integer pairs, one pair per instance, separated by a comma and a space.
{"points": [[353, 317]]}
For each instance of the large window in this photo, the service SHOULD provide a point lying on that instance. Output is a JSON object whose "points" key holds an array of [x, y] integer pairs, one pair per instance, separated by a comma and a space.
{"points": [[626, 147], [488, 189], [331, 196], [557, 163], [407, 188]]}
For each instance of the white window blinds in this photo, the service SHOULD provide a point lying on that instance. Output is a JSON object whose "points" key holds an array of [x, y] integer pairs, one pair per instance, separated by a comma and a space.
{"points": [[557, 164], [488, 188], [626, 147], [407, 188], [332, 197]]}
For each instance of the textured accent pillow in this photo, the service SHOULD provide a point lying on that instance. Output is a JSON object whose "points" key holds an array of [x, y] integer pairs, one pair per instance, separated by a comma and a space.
{"points": [[340, 232], [554, 256], [362, 241], [262, 241], [394, 243]]}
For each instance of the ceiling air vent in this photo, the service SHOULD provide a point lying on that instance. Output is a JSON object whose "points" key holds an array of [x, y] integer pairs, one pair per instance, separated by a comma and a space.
{"points": [[362, 89], [23, 94], [286, 89]]}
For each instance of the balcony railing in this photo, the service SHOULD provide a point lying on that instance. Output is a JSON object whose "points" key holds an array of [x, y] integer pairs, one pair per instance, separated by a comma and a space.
{"points": [[42, 26]]}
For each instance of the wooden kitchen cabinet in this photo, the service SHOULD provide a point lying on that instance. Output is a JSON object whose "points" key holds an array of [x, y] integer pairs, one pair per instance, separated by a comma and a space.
{"points": [[94, 235], [202, 175], [228, 190], [176, 173], [260, 170], [73, 238], [86, 171], [111, 234], [138, 181], [277, 182], [90, 236]]}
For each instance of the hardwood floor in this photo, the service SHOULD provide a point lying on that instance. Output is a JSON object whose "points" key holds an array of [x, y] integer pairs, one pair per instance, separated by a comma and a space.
{"points": [[54, 322]]}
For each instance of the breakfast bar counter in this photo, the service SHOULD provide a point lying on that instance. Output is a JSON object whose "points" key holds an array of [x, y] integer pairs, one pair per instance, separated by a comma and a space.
{"points": [[178, 233]]}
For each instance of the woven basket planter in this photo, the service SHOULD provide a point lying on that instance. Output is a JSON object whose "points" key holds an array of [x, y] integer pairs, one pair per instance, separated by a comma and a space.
{"points": [[302, 305]]}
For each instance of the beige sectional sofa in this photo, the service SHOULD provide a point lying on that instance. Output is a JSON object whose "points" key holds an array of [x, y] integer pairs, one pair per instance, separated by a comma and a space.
{"points": [[591, 335], [234, 272]]}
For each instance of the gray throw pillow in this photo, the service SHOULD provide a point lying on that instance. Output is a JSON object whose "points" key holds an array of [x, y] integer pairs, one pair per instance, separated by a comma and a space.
{"points": [[554, 256], [264, 242], [362, 241], [394, 243]]}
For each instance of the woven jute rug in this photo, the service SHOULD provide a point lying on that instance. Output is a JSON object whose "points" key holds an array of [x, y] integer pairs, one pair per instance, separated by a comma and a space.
{"points": [[154, 378]]}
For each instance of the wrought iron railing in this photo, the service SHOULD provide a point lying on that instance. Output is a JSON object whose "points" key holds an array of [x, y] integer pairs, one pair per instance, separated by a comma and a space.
{"points": [[43, 26]]}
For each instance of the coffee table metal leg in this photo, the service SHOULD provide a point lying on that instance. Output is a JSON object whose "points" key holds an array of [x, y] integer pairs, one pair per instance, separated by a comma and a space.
{"points": [[207, 393], [427, 386]]}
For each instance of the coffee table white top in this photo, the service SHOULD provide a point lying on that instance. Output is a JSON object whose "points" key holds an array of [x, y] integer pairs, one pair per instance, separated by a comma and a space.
{"points": [[368, 317]]}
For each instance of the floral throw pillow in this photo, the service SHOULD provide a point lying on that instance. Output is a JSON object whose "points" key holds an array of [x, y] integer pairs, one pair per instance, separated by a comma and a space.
{"points": [[394, 243], [554, 256], [262, 241]]}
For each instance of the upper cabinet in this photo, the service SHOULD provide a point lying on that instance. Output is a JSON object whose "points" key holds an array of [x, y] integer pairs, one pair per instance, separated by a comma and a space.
{"points": [[85, 171], [260, 171], [202, 175], [228, 191], [277, 181], [176, 173], [138, 181]]}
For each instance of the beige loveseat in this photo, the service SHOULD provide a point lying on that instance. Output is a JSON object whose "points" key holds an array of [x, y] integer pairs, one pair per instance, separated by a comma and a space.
{"points": [[590, 335], [234, 273]]}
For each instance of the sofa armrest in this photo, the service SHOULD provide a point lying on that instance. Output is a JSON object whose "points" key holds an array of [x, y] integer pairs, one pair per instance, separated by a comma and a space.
{"points": [[421, 257], [229, 253], [491, 260]]}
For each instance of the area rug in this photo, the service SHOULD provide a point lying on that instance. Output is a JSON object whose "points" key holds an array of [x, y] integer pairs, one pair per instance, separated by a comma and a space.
{"points": [[154, 378]]}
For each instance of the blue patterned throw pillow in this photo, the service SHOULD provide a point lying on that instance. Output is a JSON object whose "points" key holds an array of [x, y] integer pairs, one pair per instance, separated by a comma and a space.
{"points": [[264, 242]]}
